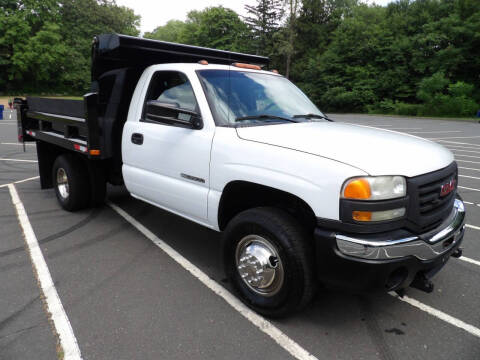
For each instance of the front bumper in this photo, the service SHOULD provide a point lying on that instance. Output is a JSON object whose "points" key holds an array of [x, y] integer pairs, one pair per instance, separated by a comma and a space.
{"points": [[389, 260]]}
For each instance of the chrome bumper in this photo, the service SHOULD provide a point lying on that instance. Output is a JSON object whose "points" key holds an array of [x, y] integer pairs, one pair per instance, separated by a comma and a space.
{"points": [[446, 238]]}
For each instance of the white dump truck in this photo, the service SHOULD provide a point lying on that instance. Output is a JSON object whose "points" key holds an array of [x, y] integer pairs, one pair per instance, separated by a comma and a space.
{"points": [[217, 138]]}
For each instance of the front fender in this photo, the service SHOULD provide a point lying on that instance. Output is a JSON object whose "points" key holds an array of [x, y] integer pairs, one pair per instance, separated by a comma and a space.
{"points": [[314, 179]]}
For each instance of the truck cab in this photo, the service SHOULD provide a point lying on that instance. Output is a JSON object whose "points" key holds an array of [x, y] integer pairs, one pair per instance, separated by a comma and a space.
{"points": [[217, 138]]}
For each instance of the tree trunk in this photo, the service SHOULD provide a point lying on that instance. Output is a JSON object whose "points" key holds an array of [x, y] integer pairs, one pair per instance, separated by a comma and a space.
{"points": [[291, 35]]}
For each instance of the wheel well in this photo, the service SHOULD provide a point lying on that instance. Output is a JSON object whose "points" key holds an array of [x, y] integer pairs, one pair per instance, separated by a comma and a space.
{"points": [[48, 153], [238, 196]]}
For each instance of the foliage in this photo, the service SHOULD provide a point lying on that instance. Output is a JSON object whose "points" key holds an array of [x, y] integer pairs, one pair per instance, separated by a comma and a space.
{"points": [[45, 44], [171, 31], [215, 27], [412, 57], [438, 96], [263, 21]]}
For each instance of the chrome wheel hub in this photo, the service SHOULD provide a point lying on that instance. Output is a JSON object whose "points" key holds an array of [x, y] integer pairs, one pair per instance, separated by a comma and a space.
{"points": [[62, 183], [259, 265]]}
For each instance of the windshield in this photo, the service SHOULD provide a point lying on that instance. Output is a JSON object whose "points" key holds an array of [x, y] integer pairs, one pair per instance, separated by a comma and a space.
{"points": [[250, 98]]}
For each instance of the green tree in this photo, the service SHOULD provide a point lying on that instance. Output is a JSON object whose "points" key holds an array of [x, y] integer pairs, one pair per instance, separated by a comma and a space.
{"points": [[215, 27], [81, 20], [263, 21], [171, 31], [45, 44], [19, 21], [410, 57], [289, 44]]}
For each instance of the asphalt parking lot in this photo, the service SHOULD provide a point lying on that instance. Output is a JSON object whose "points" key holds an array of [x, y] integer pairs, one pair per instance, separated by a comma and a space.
{"points": [[126, 298]]}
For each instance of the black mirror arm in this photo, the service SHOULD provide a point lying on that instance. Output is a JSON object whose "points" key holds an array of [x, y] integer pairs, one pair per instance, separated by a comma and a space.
{"points": [[170, 120]]}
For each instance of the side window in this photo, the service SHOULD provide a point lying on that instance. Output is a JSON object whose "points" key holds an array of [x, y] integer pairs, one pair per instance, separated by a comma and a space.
{"points": [[173, 88]]}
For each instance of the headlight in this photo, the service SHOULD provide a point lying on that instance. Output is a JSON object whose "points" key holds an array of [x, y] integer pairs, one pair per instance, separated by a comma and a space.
{"points": [[374, 188]]}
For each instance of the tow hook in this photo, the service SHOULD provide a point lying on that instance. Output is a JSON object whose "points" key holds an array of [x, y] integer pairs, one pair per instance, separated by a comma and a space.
{"points": [[421, 282], [457, 253]]}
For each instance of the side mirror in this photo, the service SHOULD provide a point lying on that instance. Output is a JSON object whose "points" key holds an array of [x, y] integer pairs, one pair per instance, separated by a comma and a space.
{"points": [[170, 113]]}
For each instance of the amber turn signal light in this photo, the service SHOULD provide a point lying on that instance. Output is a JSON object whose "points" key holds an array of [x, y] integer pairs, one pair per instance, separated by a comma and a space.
{"points": [[357, 189], [362, 215]]}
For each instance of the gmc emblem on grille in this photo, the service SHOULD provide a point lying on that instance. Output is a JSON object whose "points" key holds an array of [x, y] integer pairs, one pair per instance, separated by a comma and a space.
{"points": [[448, 187]]}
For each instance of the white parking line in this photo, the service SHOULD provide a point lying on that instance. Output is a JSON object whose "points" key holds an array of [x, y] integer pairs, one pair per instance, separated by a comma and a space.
{"points": [[459, 147], [472, 227], [461, 143], [439, 314], [54, 305], [468, 156], [264, 325], [467, 188], [20, 181], [404, 129], [466, 168], [467, 161], [20, 160], [19, 144], [435, 132], [462, 150], [374, 125], [471, 261], [454, 137], [470, 177]]}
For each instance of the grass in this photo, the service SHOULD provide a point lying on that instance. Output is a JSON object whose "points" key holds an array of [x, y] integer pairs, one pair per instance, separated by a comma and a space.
{"points": [[4, 99]]}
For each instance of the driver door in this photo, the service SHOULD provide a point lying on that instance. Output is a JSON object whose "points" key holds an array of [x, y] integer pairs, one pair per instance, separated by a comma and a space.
{"points": [[164, 163]]}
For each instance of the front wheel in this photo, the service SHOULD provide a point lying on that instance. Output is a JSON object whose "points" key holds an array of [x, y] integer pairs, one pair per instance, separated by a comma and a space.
{"points": [[268, 259]]}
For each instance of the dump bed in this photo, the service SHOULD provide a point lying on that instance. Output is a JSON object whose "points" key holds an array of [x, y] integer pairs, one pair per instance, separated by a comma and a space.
{"points": [[113, 51], [93, 126]]}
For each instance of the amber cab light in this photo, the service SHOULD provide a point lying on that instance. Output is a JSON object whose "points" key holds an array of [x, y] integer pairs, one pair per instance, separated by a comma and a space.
{"points": [[362, 215], [357, 189], [203, 62], [247, 66]]}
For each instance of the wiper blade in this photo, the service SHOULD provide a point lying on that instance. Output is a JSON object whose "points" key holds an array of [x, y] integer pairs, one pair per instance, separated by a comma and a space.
{"points": [[315, 116], [265, 117]]}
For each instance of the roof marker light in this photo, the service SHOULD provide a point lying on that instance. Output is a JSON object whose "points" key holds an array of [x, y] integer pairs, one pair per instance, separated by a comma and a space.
{"points": [[247, 66], [203, 62]]}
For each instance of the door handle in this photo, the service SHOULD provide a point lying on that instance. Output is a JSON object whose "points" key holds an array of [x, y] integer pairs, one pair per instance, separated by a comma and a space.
{"points": [[137, 138]]}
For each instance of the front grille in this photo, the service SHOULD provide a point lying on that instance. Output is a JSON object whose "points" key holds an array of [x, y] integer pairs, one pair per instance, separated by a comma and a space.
{"points": [[427, 207]]}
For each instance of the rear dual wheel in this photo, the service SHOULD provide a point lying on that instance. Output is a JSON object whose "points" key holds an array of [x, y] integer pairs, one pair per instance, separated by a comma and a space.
{"points": [[71, 182]]}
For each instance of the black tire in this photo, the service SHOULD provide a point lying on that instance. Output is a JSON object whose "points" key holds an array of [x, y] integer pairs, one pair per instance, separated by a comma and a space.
{"points": [[294, 250], [78, 192]]}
